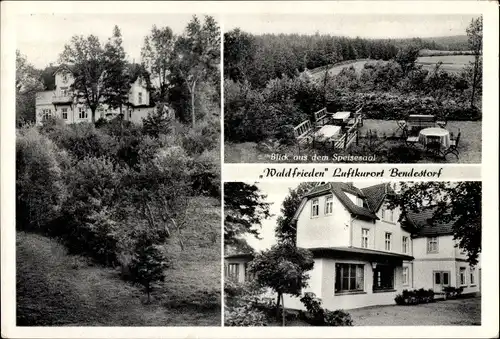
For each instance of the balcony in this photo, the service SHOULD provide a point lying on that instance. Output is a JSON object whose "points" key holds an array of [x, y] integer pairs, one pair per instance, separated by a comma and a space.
{"points": [[62, 99]]}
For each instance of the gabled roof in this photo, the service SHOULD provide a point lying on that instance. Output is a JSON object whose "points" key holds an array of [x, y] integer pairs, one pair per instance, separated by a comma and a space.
{"points": [[339, 190], [66, 67], [375, 195], [425, 227]]}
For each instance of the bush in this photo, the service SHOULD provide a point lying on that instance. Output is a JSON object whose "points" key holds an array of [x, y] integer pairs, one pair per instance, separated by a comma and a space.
{"points": [[244, 316], [318, 316], [40, 188], [452, 292], [205, 173], [413, 297], [204, 136]]}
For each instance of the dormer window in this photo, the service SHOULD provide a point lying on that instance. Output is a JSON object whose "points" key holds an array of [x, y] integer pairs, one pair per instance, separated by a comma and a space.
{"points": [[315, 207], [387, 214], [329, 205]]}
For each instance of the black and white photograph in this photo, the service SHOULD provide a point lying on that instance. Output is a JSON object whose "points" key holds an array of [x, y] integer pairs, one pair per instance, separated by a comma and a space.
{"points": [[352, 253], [353, 88], [118, 208]]}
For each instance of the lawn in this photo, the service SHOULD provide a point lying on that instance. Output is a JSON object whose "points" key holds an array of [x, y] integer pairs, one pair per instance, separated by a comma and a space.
{"points": [[465, 311], [469, 147], [450, 63], [54, 288]]}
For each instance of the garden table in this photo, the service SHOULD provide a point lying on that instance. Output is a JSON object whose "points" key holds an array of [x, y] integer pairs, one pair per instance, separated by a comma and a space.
{"points": [[327, 132], [444, 136], [341, 116]]}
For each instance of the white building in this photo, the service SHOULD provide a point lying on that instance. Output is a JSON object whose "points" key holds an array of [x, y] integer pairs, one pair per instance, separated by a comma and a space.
{"points": [[363, 256], [62, 104]]}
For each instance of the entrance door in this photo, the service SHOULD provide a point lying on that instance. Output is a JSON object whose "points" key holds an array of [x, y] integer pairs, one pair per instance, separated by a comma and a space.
{"points": [[441, 279]]}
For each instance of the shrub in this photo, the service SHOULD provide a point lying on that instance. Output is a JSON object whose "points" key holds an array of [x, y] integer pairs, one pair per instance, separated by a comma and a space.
{"points": [[40, 188], [403, 154], [204, 136], [318, 316], [205, 173], [244, 316], [413, 297], [452, 292]]}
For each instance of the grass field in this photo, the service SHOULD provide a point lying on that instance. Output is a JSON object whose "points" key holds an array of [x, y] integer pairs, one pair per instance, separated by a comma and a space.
{"points": [[469, 147], [55, 289], [451, 63]]}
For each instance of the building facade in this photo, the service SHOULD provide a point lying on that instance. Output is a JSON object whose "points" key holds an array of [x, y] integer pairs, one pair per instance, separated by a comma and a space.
{"points": [[363, 256], [62, 104]]}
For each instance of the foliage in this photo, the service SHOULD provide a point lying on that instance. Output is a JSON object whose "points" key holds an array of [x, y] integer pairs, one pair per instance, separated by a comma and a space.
{"points": [[452, 292], [157, 122], [40, 189], [286, 228], [403, 154], [148, 263], [282, 269], [457, 203], [245, 208], [27, 85], [413, 297], [244, 316], [156, 54], [475, 39], [319, 316]]}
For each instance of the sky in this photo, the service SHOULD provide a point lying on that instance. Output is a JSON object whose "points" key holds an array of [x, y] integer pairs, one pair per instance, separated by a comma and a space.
{"points": [[276, 193], [41, 37], [362, 25]]}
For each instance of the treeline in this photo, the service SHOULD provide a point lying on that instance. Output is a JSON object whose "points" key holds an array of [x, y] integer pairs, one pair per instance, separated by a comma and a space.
{"points": [[260, 58]]}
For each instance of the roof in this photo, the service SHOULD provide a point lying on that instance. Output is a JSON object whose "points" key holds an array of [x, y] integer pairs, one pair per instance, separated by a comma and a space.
{"points": [[248, 256], [44, 97], [376, 194], [66, 67], [425, 227], [340, 189], [361, 252]]}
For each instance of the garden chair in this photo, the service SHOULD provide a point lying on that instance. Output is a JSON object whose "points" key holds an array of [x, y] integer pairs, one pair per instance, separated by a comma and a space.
{"points": [[453, 149], [411, 136], [433, 146]]}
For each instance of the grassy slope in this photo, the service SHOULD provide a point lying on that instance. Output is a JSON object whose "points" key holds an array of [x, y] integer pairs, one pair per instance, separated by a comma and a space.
{"points": [[54, 288]]}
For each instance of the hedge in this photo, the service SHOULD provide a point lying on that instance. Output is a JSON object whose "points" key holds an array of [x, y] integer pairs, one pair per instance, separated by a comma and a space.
{"points": [[389, 106]]}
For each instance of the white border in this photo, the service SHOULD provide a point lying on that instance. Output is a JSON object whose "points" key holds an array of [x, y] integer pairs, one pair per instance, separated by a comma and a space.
{"points": [[489, 9]]}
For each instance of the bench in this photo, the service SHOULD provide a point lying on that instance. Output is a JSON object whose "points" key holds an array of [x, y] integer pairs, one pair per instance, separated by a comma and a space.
{"points": [[302, 130], [321, 117]]}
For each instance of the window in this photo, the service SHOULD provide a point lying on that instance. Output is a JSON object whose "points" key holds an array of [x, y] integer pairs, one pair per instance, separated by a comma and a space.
{"points": [[315, 207], [349, 277], [359, 201], [364, 237], [64, 113], [405, 275], [64, 91], [233, 271], [463, 280], [432, 245], [387, 214], [82, 113], [383, 277], [472, 277], [405, 244], [46, 113], [140, 98], [329, 205], [388, 238]]}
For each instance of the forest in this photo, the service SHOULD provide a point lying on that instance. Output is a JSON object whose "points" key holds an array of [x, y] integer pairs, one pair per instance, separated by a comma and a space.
{"points": [[142, 200], [274, 81]]}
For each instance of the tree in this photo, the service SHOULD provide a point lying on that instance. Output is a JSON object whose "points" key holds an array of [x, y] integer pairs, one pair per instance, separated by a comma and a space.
{"points": [[157, 54], [475, 39], [459, 203], [148, 263], [239, 52], [27, 85], [283, 269], [158, 121], [116, 77], [89, 62], [197, 54], [286, 228], [406, 58], [245, 208]]}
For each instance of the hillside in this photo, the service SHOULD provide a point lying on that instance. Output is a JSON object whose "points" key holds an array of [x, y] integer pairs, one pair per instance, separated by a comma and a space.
{"points": [[55, 288]]}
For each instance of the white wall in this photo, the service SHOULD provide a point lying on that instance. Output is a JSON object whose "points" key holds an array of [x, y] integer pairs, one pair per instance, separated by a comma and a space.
{"points": [[135, 89], [323, 230], [446, 248]]}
